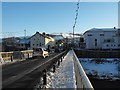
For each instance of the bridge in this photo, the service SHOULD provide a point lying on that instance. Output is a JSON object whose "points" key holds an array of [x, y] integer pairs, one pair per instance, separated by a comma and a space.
{"points": [[32, 73]]}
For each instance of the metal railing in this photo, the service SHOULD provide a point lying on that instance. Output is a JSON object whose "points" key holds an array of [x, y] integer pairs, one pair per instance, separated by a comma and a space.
{"points": [[82, 80], [49, 64]]}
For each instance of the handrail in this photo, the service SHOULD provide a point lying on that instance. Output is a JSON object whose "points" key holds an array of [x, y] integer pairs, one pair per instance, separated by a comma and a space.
{"points": [[85, 81]]}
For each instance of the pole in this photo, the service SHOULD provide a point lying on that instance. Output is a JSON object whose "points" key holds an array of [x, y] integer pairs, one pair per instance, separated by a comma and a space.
{"points": [[44, 77], [73, 35], [25, 38]]}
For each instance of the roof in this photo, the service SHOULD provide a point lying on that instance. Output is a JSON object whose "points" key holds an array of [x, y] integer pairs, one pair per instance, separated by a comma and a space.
{"points": [[40, 34], [23, 41], [58, 37], [24, 37], [103, 30]]}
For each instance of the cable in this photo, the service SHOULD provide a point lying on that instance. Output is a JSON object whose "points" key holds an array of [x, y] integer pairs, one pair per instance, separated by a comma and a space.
{"points": [[76, 17]]}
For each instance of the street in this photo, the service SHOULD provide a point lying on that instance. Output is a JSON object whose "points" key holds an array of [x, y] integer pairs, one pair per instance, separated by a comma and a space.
{"points": [[15, 71]]}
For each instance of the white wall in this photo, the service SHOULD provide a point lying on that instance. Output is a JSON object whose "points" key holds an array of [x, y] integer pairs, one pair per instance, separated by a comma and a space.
{"points": [[37, 40], [101, 44]]}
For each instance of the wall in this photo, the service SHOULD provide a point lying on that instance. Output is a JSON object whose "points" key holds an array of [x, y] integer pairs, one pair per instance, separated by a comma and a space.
{"points": [[101, 36], [36, 40], [97, 54]]}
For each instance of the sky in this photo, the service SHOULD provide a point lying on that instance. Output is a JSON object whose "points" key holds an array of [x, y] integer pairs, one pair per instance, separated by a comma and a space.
{"points": [[59, 0], [56, 17]]}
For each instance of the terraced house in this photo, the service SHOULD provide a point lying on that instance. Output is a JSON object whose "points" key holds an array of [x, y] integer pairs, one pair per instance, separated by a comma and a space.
{"points": [[104, 38]]}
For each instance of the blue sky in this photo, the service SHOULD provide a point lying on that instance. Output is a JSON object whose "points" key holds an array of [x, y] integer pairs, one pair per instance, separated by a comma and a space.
{"points": [[56, 17]]}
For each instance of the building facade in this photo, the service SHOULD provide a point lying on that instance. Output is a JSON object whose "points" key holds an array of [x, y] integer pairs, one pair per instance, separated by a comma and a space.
{"points": [[40, 40], [108, 38]]}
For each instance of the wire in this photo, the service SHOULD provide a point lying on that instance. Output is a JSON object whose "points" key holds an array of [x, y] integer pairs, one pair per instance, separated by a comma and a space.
{"points": [[76, 17]]}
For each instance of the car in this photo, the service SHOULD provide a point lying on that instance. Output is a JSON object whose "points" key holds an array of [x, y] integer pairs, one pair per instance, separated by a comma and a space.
{"points": [[41, 52]]}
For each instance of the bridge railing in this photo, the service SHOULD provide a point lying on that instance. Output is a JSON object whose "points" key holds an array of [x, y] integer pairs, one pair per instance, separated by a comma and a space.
{"points": [[16, 55], [82, 80], [38, 83]]}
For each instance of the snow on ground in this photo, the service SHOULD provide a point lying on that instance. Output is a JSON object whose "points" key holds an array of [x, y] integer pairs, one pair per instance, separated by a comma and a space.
{"points": [[107, 68], [64, 76]]}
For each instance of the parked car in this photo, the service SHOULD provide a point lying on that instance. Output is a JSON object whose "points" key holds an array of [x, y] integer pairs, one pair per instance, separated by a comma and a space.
{"points": [[41, 52]]}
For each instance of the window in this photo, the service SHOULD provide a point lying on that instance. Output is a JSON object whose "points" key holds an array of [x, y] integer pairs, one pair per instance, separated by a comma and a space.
{"points": [[40, 44], [89, 34], [95, 42], [109, 40], [118, 45], [33, 44], [107, 45], [37, 44], [101, 34]]}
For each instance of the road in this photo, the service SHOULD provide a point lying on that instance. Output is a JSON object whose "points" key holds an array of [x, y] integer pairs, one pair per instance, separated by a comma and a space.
{"points": [[13, 72]]}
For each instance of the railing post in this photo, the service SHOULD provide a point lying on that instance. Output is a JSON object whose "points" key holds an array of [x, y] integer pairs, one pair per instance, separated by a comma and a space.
{"points": [[53, 68], [11, 58], [61, 59], [63, 56], [58, 62], [44, 77], [28, 55]]}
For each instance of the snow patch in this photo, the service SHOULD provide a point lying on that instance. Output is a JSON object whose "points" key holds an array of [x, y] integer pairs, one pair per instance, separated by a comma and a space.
{"points": [[108, 69], [64, 76]]}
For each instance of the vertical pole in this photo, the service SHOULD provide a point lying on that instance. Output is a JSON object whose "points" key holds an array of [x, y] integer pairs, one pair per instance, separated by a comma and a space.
{"points": [[53, 68], [61, 59], [63, 56], [11, 58], [25, 38], [28, 55], [21, 55], [73, 36], [58, 62], [44, 77]]}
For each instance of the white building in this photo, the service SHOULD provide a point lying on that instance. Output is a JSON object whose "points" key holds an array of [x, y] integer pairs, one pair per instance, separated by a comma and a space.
{"points": [[106, 38], [40, 40]]}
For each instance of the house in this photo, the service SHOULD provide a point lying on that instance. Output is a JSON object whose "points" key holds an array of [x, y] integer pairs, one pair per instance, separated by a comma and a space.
{"points": [[73, 41], [41, 40], [24, 43], [10, 44], [104, 38]]}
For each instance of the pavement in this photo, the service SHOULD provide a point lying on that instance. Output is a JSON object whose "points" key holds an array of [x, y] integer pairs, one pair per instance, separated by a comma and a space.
{"points": [[64, 76]]}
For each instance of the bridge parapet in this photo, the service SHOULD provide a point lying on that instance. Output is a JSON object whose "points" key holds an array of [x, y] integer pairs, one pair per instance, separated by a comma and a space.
{"points": [[82, 80]]}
